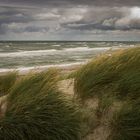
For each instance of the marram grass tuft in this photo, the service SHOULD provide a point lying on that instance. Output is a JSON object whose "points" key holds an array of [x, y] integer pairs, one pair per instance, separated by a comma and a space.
{"points": [[117, 74], [36, 110], [125, 124], [6, 82]]}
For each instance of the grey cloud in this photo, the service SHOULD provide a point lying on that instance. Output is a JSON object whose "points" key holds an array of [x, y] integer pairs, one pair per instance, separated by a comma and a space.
{"points": [[108, 24], [30, 29], [68, 17], [21, 28], [44, 18], [91, 26], [77, 18], [72, 2], [108, 19], [13, 15]]}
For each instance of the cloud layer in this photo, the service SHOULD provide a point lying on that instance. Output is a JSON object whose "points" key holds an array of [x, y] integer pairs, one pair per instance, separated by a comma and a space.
{"points": [[62, 3], [68, 20]]}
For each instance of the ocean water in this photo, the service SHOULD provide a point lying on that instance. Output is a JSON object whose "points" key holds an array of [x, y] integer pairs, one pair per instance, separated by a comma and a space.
{"points": [[28, 55]]}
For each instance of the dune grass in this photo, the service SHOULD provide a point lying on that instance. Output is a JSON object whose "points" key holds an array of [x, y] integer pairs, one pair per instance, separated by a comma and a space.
{"points": [[37, 110], [89, 121], [115, 74], [104, 105], [6, 82], [126, 122]]}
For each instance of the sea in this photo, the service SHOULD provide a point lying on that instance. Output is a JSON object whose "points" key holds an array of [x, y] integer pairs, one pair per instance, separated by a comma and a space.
{"points": [[27, 55]]}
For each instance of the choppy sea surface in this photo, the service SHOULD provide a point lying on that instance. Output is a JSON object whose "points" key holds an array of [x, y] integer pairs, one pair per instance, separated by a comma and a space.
{"points": [[28, 55]]}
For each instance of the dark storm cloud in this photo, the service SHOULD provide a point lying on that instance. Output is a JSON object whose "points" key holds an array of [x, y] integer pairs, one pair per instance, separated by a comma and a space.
{"points": [[73, 2], [89, 27], [8, 18], [12, 15], [63, 17], [21, 29]]}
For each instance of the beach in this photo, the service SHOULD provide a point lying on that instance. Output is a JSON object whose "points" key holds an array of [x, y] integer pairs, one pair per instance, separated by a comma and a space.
{"points": [[27, 56]]}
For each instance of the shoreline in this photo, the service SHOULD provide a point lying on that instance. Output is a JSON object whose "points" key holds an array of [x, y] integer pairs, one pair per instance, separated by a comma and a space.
{"points": [[63, 67]]}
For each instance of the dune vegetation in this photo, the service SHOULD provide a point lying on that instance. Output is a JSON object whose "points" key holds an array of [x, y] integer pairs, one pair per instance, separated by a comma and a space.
{"points": [[113, 81], [125, 124], [37, 110], [35, 107], [6, 82], [116, 74]]}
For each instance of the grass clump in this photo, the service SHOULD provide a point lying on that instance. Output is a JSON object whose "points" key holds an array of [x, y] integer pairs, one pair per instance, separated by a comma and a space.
{"points": [[126, 123], [116, 74], [89, 121], [104, 105], [37, 110], [6, 82]]}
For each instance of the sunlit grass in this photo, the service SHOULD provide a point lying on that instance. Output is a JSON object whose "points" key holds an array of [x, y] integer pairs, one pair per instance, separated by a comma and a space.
{"points": [[116, 74], [6, 82]]}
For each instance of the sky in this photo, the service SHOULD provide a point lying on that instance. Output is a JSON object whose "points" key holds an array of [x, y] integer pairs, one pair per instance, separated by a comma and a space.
{"points": [[74, 20]]}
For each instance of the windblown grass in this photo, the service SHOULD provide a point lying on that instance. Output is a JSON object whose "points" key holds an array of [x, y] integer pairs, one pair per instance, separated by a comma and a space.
{"points": [[126, 123], [104, 105], [6, 82], [117, 74], [38, 111], [89, 121]]}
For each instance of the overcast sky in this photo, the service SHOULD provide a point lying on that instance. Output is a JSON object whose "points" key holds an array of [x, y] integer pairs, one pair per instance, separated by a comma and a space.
{"points": [[97, 20]]}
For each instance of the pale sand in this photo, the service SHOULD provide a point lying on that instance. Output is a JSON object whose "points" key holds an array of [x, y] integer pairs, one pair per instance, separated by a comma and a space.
{"points": [[102, 131], [67, 86], [3, 105]]}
